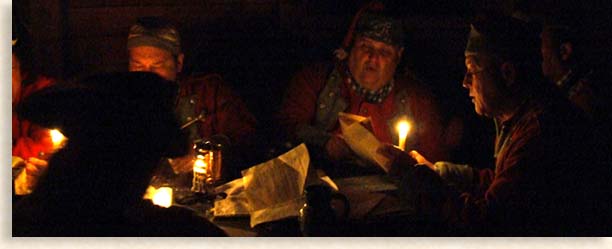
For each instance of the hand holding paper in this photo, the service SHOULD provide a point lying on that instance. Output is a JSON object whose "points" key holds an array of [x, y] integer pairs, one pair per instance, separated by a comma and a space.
{"points": [[360, 139]]}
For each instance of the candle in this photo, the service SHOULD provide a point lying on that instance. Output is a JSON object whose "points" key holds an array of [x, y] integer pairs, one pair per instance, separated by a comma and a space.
{"points": [[403, 127], [163, 197], [199, 166], [198, 183]]}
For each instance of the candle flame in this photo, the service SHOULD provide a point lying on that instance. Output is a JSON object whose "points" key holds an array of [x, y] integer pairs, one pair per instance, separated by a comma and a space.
{"points": [[56, 137], [199, 166], [163, 197], [403, 128]]}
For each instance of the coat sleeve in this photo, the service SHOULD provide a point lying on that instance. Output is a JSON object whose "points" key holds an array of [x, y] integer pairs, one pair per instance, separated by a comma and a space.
{"points": [[506, 198], [29, 140]]}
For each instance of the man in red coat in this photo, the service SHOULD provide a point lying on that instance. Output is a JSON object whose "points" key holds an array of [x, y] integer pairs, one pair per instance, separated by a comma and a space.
{"points": [[363, 82], [206, 106], [30, 142]]}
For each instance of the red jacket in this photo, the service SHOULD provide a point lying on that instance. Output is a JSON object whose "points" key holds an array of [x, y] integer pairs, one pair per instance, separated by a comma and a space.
{"points": [[224, 112], [301, 104], [29, 140]]}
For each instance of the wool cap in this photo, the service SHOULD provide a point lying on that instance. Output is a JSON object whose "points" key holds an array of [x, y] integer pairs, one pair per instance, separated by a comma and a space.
{"points": [[156, 32], [504, 36], [381, 28]]}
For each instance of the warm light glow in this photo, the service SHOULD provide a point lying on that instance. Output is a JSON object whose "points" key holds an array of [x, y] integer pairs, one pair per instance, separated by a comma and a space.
{"points": [[199, 166], [57, 138], [403, 128], [163, 197]]}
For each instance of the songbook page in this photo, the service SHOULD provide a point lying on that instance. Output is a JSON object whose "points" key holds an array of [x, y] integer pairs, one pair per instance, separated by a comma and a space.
{"points": [[360, 139]]}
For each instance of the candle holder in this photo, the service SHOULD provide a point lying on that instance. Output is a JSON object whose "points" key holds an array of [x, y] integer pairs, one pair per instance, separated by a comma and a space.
{"points": [[206, 168]]}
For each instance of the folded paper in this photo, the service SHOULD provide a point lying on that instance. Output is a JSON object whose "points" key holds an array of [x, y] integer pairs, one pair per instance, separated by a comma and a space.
{"points": [[360, 139]]}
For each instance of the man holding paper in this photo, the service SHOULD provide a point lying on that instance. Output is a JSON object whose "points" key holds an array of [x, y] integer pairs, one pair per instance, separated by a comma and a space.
{"points": [[365, 84]]}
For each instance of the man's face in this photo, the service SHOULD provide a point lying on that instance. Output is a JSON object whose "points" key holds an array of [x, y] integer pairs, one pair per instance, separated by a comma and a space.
{"points": [[551, 62], [480, 79], [373, 63], [155, 60], [16, 78]]}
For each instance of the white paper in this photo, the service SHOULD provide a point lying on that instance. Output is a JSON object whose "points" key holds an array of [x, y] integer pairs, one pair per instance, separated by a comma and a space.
{"points": [[235, 204], [360, 139], [274, 188]]}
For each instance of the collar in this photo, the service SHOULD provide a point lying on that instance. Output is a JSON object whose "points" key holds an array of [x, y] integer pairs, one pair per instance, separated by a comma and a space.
{"points": [[369, 96]]}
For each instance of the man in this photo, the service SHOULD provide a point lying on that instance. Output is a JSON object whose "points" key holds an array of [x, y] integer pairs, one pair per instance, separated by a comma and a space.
{"points": [[363, 82], [120, 125], [206, 107], [551, 173], [565, 64]]}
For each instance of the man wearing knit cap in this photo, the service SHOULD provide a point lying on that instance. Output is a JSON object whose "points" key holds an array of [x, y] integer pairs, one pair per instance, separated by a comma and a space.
{"points": [[551, 174], [206, 107], [363, 81]]}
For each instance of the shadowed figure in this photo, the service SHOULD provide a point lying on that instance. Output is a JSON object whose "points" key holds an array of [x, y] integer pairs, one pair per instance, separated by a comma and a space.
{"points": [[118, 127]]}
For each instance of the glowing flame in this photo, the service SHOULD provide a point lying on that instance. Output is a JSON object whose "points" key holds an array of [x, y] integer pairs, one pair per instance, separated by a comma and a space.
{"points": [[163, 197], [57, 138], [403, 128], [199, 166]]}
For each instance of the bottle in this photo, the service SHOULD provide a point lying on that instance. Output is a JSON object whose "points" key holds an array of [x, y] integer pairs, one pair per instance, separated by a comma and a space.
{"points": [[317, 217]]}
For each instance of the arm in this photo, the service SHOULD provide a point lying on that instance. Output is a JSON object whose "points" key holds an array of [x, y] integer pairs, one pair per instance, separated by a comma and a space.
{"points": [[29, 140], [508, 194]]}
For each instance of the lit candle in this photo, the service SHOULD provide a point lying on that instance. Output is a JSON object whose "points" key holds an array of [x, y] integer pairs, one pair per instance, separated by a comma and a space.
{"points": [[403, 127], [199, 166], [57, 138], [163, 197]]}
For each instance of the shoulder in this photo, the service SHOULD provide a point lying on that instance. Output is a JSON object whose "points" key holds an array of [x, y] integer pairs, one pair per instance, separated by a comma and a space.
{"points": [[207, 85], [202, 80], [416, 93], [412, 86]]}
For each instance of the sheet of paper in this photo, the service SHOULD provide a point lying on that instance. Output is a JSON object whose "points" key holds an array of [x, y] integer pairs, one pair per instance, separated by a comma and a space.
{"points": [[360, 139], [274, 188], [235, 204]]}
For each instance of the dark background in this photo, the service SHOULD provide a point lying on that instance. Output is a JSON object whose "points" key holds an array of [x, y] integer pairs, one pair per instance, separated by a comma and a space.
{"points": [[258, 44]]}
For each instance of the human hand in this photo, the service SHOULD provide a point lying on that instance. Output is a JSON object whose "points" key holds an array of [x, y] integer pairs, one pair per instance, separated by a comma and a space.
{"points": [[397, 158], [336, 148], [34, 169], [421, 159]]}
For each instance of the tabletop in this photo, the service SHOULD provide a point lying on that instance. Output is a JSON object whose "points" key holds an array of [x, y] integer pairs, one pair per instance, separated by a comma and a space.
{"points": [[376, 209]]}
